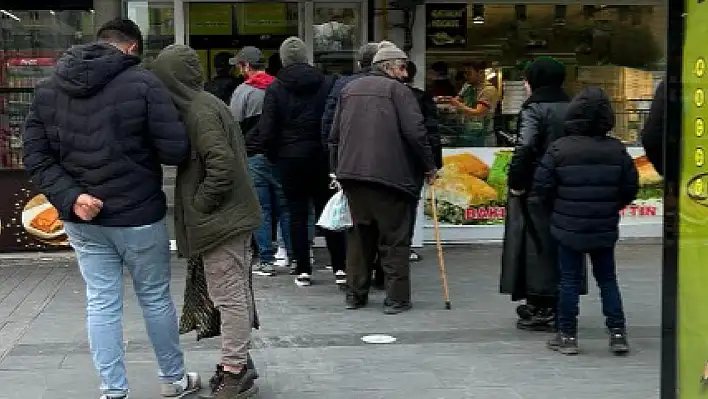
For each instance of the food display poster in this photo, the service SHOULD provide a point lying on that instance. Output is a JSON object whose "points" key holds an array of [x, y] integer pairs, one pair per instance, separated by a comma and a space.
{"points": [[472, 188], [692, 351], [28, 222], [446, 25]]}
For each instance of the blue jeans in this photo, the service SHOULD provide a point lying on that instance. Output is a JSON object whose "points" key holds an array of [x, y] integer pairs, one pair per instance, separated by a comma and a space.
{"points": [[272, 200], [102, 253], [604, 270]]}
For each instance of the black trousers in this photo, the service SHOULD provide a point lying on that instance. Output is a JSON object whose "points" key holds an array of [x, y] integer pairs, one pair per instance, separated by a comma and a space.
{"points": [[382, 219], [377, 262], [306, 181]]}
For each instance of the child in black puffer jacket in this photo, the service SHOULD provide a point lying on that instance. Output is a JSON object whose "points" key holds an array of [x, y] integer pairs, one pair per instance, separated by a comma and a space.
{"points": [[586, 179]]}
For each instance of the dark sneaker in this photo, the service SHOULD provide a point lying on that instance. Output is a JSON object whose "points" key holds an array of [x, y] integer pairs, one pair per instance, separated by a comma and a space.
{"points": [[225, 385], [396, 307], [188, 385], [564, 343], [415, 257], [264, 269], [543, 320], [526, 312], [114, 396], [355, 302], [618, 341]]}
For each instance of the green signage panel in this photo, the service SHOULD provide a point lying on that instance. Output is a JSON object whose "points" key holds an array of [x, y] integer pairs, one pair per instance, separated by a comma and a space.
{"points": [[692, 365], [210, 19]]}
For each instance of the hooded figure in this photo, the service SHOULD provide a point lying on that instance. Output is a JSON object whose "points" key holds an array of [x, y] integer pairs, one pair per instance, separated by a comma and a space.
{"points": [[585, 179], [216, 210], [529, 262], [224, 83], [289, 134]]}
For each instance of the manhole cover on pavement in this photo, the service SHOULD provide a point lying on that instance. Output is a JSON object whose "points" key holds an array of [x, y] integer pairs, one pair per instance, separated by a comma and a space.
{"points": [[378, 339]]}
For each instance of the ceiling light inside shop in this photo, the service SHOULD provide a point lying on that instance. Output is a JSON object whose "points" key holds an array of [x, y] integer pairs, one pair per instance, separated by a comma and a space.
{"points": [[520, 12], [11, 15], [559, 15], [478, 14]]}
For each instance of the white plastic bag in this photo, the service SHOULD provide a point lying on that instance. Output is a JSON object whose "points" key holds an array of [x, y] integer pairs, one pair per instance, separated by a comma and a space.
{"points": [[336, 215]]}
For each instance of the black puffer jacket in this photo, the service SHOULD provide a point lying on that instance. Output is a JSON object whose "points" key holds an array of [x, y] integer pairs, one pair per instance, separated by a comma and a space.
{"points": [[587, 177], [102, 125], [291, 122]]}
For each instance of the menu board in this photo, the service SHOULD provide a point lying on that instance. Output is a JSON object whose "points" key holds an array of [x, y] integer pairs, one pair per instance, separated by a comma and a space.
{"points": [[446, 25], [692, 350]]}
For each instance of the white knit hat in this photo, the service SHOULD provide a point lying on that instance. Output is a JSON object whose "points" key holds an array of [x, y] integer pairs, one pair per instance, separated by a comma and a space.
{"points": [[388, 52]]}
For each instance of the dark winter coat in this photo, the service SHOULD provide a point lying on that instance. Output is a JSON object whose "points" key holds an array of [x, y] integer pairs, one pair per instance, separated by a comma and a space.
{"points": [[223, 87], [653, 133], [540, 124], [431, 120], [586, 178], [214, 195], [333, 101], [379, 137], [529, 261], [103, 125], [291, 122]]}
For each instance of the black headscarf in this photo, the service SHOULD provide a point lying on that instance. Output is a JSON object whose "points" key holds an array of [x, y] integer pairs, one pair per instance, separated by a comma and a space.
{"points": [[546, 76]]}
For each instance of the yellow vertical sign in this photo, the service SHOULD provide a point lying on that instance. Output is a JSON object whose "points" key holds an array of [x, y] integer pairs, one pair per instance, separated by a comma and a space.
{"points": [[693, 206]]}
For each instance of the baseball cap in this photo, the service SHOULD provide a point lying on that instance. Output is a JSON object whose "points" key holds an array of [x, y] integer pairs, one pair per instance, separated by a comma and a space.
{"points": [[249, 55]]}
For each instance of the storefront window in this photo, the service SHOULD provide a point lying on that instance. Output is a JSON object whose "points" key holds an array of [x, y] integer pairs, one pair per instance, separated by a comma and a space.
{"points": [[337, 35], [619, 48], [219, 30], [30, 44], [157, 23]]}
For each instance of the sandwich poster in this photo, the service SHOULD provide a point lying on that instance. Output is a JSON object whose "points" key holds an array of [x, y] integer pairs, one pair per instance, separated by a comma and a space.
{"points": [[472, 188], [28, 222]]}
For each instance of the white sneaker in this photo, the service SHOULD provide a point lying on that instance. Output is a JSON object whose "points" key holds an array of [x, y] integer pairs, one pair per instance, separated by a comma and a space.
{"points": [[189, 384], [114, 396], [340, 277], [281, 253], [284, 262], [264, 269], [303, 280]]}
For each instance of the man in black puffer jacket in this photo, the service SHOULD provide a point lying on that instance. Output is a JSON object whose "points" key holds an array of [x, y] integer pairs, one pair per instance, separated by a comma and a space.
{"points": [[95, 138], [587, 178], [289, 133]]}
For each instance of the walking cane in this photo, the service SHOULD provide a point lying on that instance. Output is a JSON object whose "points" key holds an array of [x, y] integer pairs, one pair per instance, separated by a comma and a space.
{"points": [[441, 258]]}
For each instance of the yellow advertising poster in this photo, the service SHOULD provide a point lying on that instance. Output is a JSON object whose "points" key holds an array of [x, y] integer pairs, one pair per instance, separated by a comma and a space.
{"points": [[693, 206], [262, 18], [210, 19]]}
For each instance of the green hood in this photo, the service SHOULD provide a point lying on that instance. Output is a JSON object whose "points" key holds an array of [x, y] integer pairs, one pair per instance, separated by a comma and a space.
{"points": [[179, 68]]}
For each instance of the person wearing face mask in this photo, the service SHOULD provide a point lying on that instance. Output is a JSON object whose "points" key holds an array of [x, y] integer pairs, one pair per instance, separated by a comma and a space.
{"points": [[380, 152], [96, 137], [540, 123]]}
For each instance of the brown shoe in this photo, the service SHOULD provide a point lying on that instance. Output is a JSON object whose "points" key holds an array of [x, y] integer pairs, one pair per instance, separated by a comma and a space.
{"points": [[225, 385]]}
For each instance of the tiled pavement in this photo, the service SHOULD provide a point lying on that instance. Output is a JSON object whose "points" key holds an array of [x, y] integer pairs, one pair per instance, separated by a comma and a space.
{"points": [[309, 347]]}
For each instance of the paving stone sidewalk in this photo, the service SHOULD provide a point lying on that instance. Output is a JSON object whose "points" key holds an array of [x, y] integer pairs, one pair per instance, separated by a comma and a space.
{"points": [[310, 347]]}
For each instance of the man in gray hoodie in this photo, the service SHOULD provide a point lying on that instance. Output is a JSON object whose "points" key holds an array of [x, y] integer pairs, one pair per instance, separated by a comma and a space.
{"points": [[246, 107]]}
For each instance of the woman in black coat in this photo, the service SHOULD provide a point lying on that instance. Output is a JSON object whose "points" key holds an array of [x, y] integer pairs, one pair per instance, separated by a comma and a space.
{"points": [[529, 261]]}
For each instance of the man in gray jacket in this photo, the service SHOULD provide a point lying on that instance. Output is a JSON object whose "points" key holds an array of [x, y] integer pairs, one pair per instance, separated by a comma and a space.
{"points": [[380, 152]]}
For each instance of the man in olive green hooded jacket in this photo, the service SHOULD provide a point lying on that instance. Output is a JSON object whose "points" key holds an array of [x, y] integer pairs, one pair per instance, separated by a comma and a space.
{"points": [[216, 211]]}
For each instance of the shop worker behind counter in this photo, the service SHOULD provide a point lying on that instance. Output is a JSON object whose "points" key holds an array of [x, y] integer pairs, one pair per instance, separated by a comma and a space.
{"points": [[96, 135]]}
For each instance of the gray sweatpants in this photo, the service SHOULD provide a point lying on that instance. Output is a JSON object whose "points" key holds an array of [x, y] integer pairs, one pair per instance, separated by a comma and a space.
{"points": [[227, 269]]}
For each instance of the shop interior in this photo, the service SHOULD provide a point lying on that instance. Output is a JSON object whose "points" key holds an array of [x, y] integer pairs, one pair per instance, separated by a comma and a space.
{"points": [[619, 48]]}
